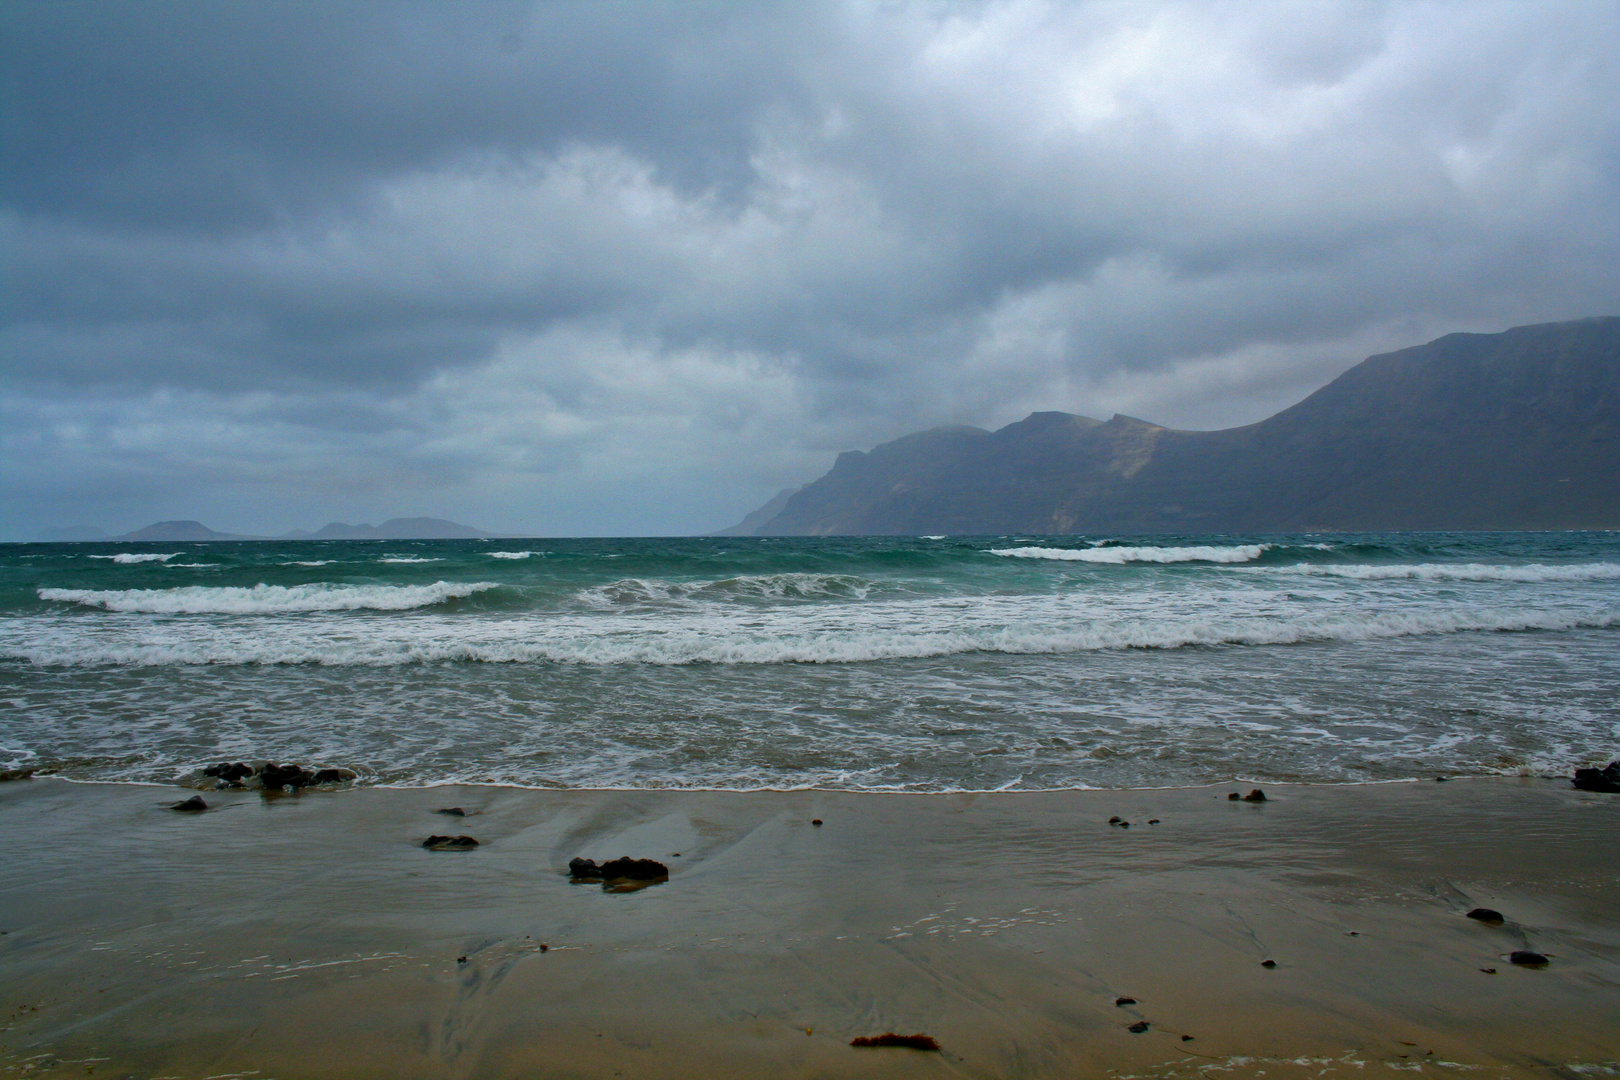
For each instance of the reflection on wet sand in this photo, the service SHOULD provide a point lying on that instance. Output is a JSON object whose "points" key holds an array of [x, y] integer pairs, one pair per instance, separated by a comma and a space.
{"points": [[312, 935]]}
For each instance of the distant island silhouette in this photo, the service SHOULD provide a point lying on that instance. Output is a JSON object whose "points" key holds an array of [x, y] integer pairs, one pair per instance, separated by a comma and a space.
{"points": [[414, 528]]}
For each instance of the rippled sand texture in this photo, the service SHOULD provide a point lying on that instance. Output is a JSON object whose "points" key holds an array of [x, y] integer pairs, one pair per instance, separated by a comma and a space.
{"points": [[311, 936]]}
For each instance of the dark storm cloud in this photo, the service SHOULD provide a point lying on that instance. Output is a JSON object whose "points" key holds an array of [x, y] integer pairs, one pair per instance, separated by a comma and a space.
{"points": [[616, 267]]}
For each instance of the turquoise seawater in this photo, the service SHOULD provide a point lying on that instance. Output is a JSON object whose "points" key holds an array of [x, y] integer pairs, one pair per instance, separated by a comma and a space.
{"points": [[884, 663]]}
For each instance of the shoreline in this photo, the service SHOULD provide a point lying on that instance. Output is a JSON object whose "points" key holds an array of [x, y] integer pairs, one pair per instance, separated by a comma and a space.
{"points": [[311, 936], [1249, 782]]}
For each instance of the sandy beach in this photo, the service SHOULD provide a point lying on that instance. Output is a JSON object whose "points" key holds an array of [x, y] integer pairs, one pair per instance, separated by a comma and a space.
{"points": [[312, 936]]}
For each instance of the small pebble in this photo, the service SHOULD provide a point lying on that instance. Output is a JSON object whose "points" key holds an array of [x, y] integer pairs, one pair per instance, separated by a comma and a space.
{"points": [[1124, 1001], [1488, 971], [1186, 1038], [1234, 796], [1526, 958], [1153, 821], [1486, 915], [816, 822], [1138, 1027], [1268, 963]]}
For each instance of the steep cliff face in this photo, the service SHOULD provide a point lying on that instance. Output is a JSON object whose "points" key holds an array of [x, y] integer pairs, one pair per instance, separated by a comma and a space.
{"points": [[1518, 430]]}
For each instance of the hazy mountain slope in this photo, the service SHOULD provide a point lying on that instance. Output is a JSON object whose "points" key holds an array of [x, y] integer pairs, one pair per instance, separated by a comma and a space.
{"points": [[417, 528], [1519, 430], [164, 531]]}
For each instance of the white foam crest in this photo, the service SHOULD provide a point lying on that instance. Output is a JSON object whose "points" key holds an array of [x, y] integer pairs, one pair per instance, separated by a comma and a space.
{"points": [[1120, 555], [407, 559], [191, 565], [267, 599], [512, 554], [309, 562], [1530, 572], [736, 641], [126, 558], [784, 586]]}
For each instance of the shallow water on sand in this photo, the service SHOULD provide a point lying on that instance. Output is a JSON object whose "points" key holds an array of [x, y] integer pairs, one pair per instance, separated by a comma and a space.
{"points": [[881, 663]]}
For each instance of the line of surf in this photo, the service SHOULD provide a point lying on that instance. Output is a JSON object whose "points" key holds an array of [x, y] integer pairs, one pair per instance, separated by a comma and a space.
{"points": [[267, 599], [1120, 555], [532, 641], [1527, 572]]}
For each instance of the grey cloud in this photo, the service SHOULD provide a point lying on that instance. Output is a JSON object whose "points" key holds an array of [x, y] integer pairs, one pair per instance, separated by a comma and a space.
{"points": [[677, 254]]}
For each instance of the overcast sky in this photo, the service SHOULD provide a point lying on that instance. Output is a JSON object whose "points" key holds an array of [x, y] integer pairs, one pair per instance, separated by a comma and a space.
{"points": [[617, 268]]}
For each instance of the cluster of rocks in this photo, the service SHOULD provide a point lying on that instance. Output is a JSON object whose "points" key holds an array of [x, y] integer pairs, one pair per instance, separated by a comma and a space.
{"points": [[1254, 796], [619, 875], [273, 777], [1521, 957], [1604, 779]]}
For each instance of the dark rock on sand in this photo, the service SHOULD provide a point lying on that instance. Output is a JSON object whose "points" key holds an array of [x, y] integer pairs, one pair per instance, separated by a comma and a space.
{"points": [[619, 875], [634, 869], [449, 843], [1234, 796], [452, 811], [1604, 779], [15, 774], [1486, 915], [889, 1038], [1255, 796], [1268, 963], [1186, 1038], [230, 772], [1488, 971], [192, 805], [1139, 1027], [1153, 821], [1123, 1001], [334, 776], [816, 822], [280, 777], [1526, 958]]}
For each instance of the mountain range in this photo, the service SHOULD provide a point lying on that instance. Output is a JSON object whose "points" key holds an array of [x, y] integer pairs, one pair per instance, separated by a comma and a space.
{"points": [[417, 528], [1517, 430]]}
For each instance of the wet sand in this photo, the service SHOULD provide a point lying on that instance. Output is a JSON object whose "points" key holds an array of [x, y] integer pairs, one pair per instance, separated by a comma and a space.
{"points": [[311, 936]]}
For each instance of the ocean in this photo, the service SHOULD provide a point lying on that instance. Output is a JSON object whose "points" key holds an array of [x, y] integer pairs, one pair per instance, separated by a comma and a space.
{"points": [[873, 663]]}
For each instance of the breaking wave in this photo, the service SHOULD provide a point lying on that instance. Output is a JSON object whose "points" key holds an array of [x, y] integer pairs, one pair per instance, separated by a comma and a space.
{"points": [[127, 557], [407, 559], [737, 642], [1602, 571], [512, 554], [267, 599], [632, 591], [1120, 555]]}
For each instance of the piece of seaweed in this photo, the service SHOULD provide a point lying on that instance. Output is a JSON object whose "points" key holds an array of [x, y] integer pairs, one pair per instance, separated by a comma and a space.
{"points": [[889, 1038]]}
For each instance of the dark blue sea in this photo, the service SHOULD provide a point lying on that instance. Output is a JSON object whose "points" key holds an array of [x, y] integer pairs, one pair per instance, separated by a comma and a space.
{"points": [[877, 663]]}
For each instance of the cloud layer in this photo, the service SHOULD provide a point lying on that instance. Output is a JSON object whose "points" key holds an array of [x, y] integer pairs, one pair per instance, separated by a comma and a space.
{"points": [[575, 268]]}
